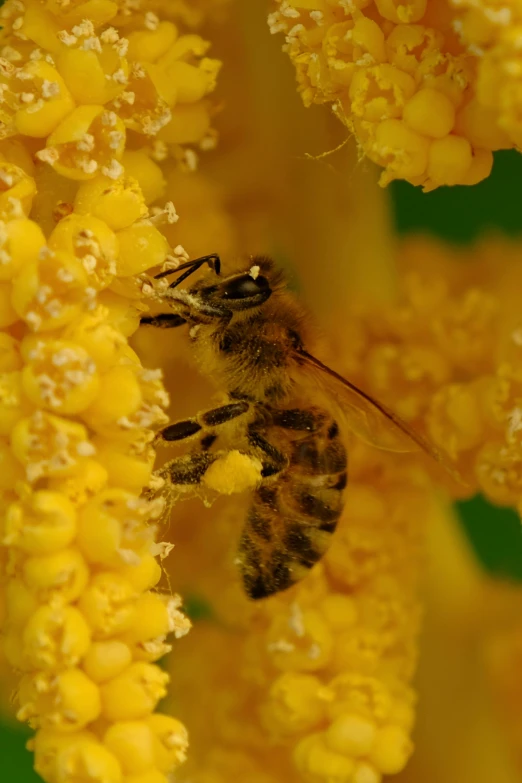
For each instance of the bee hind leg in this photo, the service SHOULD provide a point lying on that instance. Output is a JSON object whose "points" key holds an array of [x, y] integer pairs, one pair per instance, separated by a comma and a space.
{"points": [[188, 469]]}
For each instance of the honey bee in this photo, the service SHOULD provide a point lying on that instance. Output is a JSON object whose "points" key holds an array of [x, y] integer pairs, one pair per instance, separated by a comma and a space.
{"points": [[249, 334]]}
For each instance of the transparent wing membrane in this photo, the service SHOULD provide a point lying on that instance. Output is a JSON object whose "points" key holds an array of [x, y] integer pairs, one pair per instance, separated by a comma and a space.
{"points": [[369, 419]]}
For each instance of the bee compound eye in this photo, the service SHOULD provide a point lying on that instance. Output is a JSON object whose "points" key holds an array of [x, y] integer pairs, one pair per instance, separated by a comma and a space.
{"points": [[245, 287]]}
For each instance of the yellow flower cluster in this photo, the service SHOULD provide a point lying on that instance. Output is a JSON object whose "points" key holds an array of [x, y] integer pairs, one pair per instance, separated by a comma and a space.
{"points": [[447, 358], [491, 33], [93, 95], [400, 77], [70, 77]]}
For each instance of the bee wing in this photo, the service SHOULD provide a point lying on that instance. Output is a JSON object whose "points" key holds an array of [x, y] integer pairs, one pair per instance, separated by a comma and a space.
{"points": [[369, 419]]}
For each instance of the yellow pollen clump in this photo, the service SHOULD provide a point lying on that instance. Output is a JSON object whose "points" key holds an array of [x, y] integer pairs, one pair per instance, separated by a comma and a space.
{"points": [[235, 472]]}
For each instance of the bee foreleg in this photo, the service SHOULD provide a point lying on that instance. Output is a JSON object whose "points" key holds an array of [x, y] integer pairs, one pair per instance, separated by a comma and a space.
{"points": [[163, 320], [202, 423]]}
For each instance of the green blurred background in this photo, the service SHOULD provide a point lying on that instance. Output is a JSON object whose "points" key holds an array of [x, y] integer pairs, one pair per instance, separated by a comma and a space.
{"points": [[460, 215]]}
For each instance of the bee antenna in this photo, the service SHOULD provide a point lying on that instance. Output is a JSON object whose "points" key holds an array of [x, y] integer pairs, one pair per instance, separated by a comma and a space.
{"points": [[213, 260]]}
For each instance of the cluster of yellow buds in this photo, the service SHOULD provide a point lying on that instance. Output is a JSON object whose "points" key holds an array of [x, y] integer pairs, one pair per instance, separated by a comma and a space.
{"points": [[447, 358], [93, 96], [81, 86], [400, 77], [491, 32]]}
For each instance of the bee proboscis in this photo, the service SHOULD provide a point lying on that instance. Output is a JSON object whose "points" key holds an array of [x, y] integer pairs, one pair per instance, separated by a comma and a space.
{"points": [[249, 335]]}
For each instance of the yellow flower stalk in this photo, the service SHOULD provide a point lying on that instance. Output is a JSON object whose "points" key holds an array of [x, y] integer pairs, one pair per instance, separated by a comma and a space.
{"points": [[94, 95], [429, 92]]}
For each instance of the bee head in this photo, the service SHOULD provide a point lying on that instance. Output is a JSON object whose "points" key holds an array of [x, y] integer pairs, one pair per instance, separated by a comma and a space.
{"points": [[217, 296]]}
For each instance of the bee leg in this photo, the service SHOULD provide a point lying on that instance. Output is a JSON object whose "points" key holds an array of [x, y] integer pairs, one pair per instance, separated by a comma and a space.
{"points": [[272, 460], [188, 469], [163, 320], [202, 424]]}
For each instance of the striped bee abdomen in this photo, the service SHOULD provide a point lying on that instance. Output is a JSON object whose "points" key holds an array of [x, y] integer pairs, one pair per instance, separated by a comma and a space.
{"points": [[294, 513]]}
